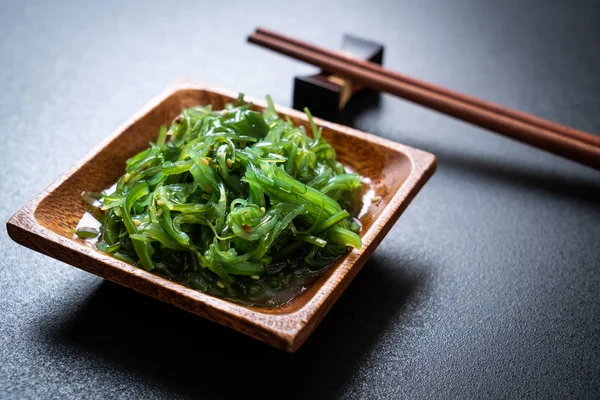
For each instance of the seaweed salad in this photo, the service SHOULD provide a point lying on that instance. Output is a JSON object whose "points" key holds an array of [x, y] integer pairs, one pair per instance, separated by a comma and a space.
{"points": [[235, 203]]}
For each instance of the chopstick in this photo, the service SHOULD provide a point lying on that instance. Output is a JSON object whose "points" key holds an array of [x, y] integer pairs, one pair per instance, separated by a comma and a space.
{"points": [[555, 138], [438, 89]]}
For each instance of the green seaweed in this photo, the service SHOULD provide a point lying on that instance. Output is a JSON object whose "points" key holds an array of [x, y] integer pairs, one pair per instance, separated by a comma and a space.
{"points": [[234, 203]]}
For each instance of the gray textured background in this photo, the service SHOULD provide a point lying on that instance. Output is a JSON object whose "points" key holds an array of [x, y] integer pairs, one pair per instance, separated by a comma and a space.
{"points": [[486, 287]]}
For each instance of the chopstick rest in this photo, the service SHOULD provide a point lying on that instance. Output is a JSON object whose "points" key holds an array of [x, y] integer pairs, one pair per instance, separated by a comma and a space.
{"points": [[324, 93]]}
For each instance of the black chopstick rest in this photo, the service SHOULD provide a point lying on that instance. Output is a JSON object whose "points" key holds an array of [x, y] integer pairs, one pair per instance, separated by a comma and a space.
{"points": [[326, 94]]}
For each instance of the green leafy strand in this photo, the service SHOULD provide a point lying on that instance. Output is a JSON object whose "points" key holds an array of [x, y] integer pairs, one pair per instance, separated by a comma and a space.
{"points": [[223, 198]]}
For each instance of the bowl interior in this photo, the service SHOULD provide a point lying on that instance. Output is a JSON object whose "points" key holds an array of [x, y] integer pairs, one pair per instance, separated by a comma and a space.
{"points": [[60, 211]]}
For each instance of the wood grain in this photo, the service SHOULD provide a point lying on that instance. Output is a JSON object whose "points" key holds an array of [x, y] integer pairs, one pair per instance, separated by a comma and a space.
{"points": [[44, 224]]}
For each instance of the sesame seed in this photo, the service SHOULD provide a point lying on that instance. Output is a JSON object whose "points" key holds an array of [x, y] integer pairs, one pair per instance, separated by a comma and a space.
{"points": [[255, 277], [263, 209], [220, 284], [159, 202], [204, 161], [209, 159], [229, 163], [159, 212], [126, 178], [137, 222], [376, 200]]}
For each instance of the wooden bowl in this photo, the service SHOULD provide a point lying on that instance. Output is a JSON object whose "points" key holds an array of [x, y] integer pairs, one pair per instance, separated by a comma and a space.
{"points": [[45, 224]]}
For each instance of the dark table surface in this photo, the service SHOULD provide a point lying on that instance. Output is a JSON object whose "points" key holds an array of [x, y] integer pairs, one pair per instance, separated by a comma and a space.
{"points": [[488, 286]]}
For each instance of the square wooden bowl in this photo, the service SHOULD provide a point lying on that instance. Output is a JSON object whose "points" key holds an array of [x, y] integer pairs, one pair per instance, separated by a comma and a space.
{"points": [[45, 223]]}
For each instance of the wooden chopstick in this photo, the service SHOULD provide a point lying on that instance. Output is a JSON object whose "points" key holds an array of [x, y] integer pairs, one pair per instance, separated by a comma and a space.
{"points": [[438, 89], [555, 138]]}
